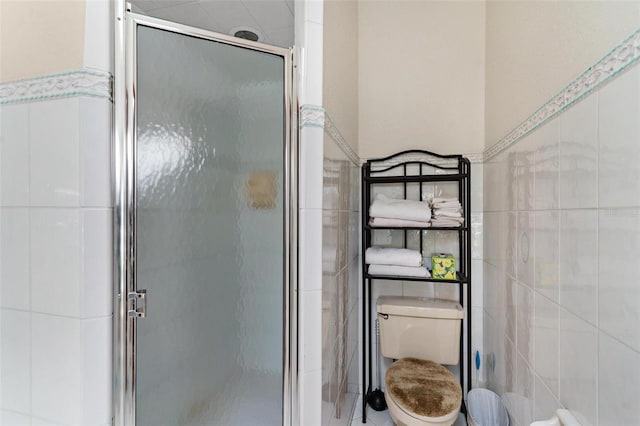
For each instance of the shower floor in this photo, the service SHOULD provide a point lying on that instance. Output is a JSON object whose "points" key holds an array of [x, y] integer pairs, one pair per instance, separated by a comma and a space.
{"points": [[247, 401]]}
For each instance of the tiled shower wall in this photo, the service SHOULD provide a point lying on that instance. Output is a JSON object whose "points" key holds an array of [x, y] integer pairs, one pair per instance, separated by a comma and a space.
{"points": [[561, 247], [55, 281], [340, 284]]}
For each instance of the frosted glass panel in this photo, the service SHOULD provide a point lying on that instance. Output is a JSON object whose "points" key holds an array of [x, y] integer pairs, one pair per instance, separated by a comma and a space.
{"points": [[210, 224]]}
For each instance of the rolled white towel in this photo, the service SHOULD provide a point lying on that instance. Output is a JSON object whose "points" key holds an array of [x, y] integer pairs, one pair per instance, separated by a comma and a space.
{"points": [[385, 222], [395, 270], [393, 256], [383, 206]]}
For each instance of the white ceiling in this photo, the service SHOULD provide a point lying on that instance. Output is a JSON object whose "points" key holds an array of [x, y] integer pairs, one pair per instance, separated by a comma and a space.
{"points": [[272, 18]]}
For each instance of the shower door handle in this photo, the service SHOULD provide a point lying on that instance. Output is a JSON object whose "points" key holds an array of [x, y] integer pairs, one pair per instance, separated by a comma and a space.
{"points": [[138, 304]]}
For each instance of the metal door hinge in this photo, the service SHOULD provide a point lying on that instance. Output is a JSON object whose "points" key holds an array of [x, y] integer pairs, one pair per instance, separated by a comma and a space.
{"points": [[138, 304]]}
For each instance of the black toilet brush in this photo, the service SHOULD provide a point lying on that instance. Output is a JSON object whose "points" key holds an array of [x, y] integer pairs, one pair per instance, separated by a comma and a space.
{"points": [[376, 396]]}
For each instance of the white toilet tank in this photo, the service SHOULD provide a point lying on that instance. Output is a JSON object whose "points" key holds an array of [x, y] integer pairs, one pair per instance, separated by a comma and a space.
{"points": [[420, 327]]}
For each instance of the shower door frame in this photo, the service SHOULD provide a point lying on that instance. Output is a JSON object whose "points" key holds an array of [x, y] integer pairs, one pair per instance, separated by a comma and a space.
{"points": [[124, 215]]}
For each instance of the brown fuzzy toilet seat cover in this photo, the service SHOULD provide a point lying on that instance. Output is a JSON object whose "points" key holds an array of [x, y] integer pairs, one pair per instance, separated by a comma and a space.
{"points": [[423, 387]]}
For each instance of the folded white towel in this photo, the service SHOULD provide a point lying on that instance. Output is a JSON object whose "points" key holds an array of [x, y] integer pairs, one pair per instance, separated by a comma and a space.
{"points": [[383, 206], [385, 222], [449, 222], [445, 203], [436, 200], [448, 207], [449, 218], [403, 271], [393, 256], [446, 213]]}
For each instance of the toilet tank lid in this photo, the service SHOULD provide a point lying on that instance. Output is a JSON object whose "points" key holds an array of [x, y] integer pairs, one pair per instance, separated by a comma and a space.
{"points": [[419, 307]]}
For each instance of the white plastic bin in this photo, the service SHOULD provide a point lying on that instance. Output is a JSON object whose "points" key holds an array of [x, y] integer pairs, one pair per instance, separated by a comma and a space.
{"points": [[485, 408]]}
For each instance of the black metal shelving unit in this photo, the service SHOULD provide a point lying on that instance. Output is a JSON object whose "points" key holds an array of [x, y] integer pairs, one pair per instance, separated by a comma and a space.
{"points": [[418, 167]]}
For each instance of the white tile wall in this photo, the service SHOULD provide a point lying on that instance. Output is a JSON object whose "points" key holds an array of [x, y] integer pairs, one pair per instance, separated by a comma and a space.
{"points": [[56, 262], [311, 175], [96, 381], [618, 378], [310, 397], [95, 153], [524, 333], [14, 262], [511, 244], [579, 266], [311, 240], [577, 306], [494, 172], [14, 155], [308, 36], [578, 150], [341, 297], [311, 330], [54, 153], [494, 241], [545, 403], [55, 392], [525, 177], [546, 343], [510, 314], [15, 369], [578, 366], [546, 256], [618, 291], [618, 133], [97, 275], [524, 391], [476, 278], [525, 245], [545, 143], [14, 419]]}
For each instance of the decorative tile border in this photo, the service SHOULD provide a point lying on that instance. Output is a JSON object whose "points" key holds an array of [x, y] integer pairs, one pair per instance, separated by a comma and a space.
{"points": [[311, 116], [316, 116], [336, 136], [474, 157], [84, 82], [617, 60]]}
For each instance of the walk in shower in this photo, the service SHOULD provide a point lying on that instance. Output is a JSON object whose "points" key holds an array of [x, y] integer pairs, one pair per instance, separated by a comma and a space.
{"points": [[204, 227]]}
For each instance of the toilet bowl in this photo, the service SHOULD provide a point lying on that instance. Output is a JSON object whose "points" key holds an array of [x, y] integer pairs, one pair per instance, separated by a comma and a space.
{"points": [[421, 334]]}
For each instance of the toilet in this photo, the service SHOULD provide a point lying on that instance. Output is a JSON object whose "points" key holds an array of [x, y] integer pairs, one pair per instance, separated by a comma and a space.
{"points": [[421, 334]]}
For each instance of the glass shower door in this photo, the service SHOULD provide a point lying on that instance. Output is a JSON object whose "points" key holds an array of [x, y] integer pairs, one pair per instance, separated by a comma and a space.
{"points": [[210, 203]]}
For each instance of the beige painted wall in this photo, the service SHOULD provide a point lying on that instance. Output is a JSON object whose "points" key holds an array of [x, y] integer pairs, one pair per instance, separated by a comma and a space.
{"points": [[421, 76], [535, 48], [40, 37], [340, 66]]}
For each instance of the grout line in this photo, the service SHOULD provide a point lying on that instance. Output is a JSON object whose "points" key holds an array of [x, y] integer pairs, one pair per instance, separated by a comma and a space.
{"points": [[597, 277], [30, 311], [30, 265]]}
